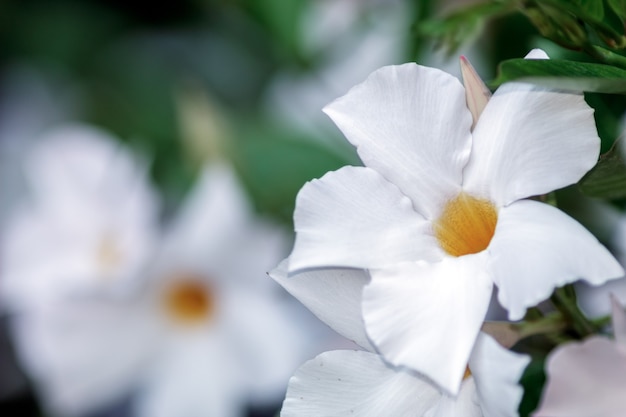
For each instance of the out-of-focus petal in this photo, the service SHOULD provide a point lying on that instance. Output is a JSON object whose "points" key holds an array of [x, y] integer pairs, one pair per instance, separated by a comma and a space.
{"points": [[195, 376], [585, 379], [84, 355]]}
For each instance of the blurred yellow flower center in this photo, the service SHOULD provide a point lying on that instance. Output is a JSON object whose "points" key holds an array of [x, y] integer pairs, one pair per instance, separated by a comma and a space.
{"points": [[108, 254], [188, 300], [466, 225]]}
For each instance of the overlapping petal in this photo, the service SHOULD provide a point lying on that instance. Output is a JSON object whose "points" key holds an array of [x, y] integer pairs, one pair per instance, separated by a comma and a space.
{"points": [[426, 316], [333, 295], [496, 372], [355, 383], [528, 141], [537, 248], [354, 217], [400, 121]]}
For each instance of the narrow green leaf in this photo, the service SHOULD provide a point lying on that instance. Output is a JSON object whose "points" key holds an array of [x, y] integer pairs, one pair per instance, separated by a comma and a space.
{"points": [[533, 381], [592, 8], [608, 178], [464, 23], [562, 74], [619, 7]]}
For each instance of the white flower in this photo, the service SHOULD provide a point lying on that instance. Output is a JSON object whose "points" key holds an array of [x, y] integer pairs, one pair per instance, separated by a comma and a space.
{"points": [[439, 213], [362, 384], [207, 334], [88, 225], [588, 378], [593, 300]]}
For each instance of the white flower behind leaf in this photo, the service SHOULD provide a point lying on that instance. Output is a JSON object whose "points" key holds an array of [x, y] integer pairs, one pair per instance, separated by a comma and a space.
{"points": [[363, 384], [207, 334], [588, 378], [89, 223], [440, 212]]}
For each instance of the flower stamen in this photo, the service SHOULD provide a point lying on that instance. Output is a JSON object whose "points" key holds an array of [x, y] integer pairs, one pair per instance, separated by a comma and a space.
{"points": [[466, 225]]}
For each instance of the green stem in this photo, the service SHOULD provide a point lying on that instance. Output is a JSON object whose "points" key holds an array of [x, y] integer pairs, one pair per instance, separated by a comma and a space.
{"points": [[606, 56], [566, 304], [548, 324]]}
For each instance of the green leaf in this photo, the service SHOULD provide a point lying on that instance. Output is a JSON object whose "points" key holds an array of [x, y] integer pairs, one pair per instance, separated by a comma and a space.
{"points": [[274, 163], [463, 24], [533, 380], [562, 74], [608, 178], [594, 9], [619, 7]]}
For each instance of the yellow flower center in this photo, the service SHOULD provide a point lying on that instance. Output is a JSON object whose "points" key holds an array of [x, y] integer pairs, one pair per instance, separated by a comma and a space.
{"points": [[189, 301], [466, 225], [468, 373]]}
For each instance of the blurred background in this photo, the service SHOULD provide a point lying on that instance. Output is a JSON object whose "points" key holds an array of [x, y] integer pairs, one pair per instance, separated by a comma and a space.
{"points": [[180, 85]]}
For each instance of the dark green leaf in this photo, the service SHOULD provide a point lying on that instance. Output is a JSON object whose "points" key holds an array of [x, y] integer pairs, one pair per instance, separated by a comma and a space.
{"points": [[274, 164], [463, 24], [619, 7], [608, 178], [566, 75], [533, 380], [592, 8]]}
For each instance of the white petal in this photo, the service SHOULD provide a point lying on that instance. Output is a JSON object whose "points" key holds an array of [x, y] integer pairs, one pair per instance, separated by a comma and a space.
{"points": [[353, 217], [46, 256], [585, 379], [197, 375], [333, 295], [84, 355], [215, 210], [496, 372], [411, 124], [619, 321], [427, 316], [355, 384], [465, 404], [537, 248], [75, 162], [530, 141], [265, 339]]}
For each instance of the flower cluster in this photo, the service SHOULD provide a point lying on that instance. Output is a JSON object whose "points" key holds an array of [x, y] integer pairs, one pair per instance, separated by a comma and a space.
{"points": [[401, 255]]}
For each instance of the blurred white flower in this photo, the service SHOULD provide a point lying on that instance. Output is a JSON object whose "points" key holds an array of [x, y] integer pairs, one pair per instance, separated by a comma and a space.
{"points": [[440, 213], [361, 383], [594, 300], [89, 222], [206, 334], [588, 378], [349, 39]]}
